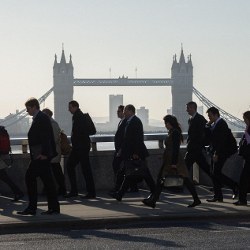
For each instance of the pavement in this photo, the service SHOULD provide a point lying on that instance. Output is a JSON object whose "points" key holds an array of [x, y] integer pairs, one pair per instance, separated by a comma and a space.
{"points": [[104, 211]]}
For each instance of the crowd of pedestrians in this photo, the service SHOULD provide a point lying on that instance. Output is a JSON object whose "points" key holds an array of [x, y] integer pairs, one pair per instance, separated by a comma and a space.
{"points": [[129, 162]]}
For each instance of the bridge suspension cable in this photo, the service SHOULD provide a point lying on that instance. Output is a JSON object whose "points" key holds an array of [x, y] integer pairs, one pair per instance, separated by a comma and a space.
{"points": [[225, 115], [12, 119]]}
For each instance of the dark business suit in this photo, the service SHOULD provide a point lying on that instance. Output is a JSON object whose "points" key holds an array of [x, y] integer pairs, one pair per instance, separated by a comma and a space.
{"points": [[119, 136], [80, 153], [133, 143], [195, 143], [41, 141], [222, 144]]}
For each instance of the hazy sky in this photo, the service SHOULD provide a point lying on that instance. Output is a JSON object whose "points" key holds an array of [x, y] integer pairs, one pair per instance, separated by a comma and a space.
{"points": [[123, 35]]}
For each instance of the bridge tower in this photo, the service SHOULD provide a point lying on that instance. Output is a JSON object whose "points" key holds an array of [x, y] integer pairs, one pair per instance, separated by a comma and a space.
{"points": [[63, 76], [182, 88]]}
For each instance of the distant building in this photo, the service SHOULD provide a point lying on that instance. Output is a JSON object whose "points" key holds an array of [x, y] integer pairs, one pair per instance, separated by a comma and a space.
{"points": [[142, 113], [114, 102]]}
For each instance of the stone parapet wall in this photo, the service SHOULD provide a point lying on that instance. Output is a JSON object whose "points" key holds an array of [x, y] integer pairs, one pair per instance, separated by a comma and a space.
{"points": [[101, 162]]}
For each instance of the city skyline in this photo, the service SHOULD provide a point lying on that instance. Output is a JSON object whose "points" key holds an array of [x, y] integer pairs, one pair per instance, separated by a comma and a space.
{"points": [[133, 38]]}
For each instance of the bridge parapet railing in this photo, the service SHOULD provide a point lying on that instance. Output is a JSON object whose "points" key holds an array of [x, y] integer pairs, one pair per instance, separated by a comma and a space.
{"points": [[20, 144]]}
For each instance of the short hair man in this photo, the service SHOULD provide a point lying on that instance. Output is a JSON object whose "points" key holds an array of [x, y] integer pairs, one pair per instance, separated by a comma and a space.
{"points": [[222, 146], [80, 153], [196, 139], [42, 150], [133, 147]]}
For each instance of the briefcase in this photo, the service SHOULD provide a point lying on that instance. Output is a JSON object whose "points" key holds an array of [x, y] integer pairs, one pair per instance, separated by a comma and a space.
{"points": [[134, 167], [174, 180]]}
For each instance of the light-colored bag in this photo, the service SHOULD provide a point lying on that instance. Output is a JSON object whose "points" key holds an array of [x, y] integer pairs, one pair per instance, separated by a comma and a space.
{"points": [[173, 181]]}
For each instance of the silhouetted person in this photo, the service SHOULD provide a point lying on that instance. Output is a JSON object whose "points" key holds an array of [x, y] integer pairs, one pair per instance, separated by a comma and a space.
{"points": [[56, 161], [244, 151], [222, 146], [80, 153], [42, 150], [196, 139], [133, 148], [172, 163]]}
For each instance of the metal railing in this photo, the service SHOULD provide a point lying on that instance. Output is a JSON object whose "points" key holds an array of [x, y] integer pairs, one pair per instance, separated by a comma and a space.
{"points": [[102, 138]]}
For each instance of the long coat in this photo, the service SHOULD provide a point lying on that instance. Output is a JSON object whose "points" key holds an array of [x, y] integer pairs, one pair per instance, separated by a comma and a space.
{"points": [[172, 156]]}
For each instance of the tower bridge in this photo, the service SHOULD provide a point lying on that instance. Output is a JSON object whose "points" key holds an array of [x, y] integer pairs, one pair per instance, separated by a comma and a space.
{"points": [[181, 83]]}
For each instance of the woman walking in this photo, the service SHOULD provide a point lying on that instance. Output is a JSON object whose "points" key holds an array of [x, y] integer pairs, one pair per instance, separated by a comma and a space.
{"points": [[172, 163]]}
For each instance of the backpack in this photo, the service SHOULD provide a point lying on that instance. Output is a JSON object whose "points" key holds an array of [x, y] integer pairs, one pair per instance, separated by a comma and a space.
{"points": [[91, 130], [4, 141], [64, 143]]}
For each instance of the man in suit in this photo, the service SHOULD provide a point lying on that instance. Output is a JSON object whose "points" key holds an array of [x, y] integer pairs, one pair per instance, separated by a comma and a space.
{"points": [[222, 146], [80, 153], [117, 160], [42, 150], [196, 139], [133, 147]]}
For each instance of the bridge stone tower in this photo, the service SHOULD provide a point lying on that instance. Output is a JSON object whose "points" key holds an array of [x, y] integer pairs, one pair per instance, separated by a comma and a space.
{"points": [[63, 92], [182, 88]]}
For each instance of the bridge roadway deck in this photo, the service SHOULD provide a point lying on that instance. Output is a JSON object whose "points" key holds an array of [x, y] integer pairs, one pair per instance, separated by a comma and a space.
{"points": [[104, 211]]}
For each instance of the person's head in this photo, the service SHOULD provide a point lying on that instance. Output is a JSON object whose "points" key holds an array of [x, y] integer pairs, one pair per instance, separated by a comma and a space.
{"points": [[191, 108], [213, 114], [120, 110], [171, 123], [73, 106], [246, 117], [32, 106], [129, 111], [48, 112]]}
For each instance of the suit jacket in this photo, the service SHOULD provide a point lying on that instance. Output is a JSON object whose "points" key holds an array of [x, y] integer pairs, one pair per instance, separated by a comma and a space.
{"points": [[41, 137], [222, 141], [196, 133], [119, 135], [79, 136], [133, 142]]}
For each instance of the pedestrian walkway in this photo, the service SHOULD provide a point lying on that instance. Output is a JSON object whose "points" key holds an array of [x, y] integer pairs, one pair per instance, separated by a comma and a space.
{"points": [[104, 210]]}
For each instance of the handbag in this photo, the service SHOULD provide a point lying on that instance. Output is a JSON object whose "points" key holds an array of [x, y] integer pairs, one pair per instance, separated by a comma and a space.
{"points": [[173, 180], [134, 167]]}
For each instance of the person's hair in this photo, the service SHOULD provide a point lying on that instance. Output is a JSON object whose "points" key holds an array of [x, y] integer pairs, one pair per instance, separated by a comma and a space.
{"points": [[130, 107], [174, 123], [192, 104], [121, 107], [214, 111], [247, 115], [32, 102], [74, 103], [47, 112]]}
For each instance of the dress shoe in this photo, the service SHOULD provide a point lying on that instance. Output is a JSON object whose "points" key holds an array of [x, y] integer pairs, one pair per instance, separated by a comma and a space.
{"points": [[149, 203], [17, 197], [88, 196], [50, 212], [116, 196], [27, 211], [70, 195], [214, 199], [195, 203], [240, 203]]}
